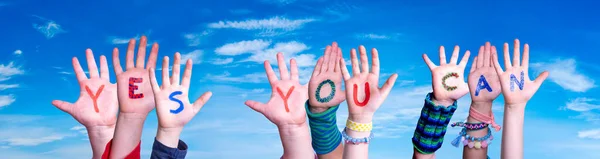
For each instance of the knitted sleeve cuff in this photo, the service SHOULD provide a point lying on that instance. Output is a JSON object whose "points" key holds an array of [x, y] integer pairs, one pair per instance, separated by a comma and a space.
{"points": [[431, 127], [326, 136]]}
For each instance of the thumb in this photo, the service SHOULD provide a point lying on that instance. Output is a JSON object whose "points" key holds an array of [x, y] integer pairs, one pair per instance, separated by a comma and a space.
{"points": [[388, 85], [62, 105], [199, 103], [541, 78], [256, 106]]}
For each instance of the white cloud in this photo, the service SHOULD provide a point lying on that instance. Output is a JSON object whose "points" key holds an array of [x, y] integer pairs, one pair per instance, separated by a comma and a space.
{"points": [[6, 100], [48, 27], [582, 104], [371, 36], [279, 23], [222, 61], [195, 55], [258, 77], [8, 86], [6, 71], [121, 40], [242, 47], [289, 50], [78, 127], [564, 73], [65, 72], [18, 52], [194, 39], [33, 141], [590, 134]]}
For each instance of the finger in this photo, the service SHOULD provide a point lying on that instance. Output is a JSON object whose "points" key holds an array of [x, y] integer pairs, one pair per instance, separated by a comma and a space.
{"points": [[332, 57], [166, 83], [465, 59], [104, 68], [153, 82], [375, 61], [62, 105], [294, 70], [354, 59], [525, 63], [176, 68], [187, 74], [389, 84], [480, 55], [428, 61], [256, 106], [116, 62], [541, 78], [317, 69], [141, 55], [495, 59], [270, 73], [364, 60], [487, 55], [326, 57], [474, 65], [91, 61], [129, 55], [517, 54], [344, 69], [454, 57], [78, 70], [283, 72], [153, 56], [337, 60], [442, 55], [201, 101], [507, 64]]}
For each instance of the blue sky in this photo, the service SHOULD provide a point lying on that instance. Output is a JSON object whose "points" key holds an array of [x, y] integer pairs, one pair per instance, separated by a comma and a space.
{"points": [[229, 39]]}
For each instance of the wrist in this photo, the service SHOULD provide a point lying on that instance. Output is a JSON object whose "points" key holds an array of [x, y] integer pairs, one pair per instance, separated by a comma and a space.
{"points": [[293, 130], [515, 108], [483, 107], [361, 118], [317, 109], [101, 132], [442, 101], [169, 136]]}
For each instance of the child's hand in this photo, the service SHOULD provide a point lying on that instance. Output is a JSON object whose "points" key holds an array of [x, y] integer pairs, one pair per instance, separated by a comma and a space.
{"points": [[484, 83], [448, 78], [327, 81]]}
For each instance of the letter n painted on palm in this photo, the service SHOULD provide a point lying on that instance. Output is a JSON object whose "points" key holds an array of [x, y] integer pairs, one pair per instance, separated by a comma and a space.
{"points": [[367, 95], [513, 81]]}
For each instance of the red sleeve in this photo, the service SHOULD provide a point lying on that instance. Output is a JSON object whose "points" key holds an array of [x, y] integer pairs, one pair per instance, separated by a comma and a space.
{"points": [[135, 154]]}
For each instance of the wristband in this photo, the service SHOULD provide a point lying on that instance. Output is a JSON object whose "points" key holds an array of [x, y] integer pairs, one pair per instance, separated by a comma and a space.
{"points": [[473, 142], [431, 127], [325, 134], [484, 118], [356, 141], [361, 127], [470, 126]]}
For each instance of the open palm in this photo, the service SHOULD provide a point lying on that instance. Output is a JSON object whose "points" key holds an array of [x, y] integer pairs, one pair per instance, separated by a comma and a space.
{"points": [[133, 85], [517, 88], [326, 74], [286, 106], [173, 107], [97, 104], [489, 85], [448, 78], [363, 93]]}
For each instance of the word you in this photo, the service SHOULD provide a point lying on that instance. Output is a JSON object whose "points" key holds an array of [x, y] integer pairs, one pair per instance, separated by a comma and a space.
{"points": [[133, 87], [449, 88], [482, 84], [328, 98], [172, 98], [367, 95], [286, 97], [95, 96], [513, 81]]}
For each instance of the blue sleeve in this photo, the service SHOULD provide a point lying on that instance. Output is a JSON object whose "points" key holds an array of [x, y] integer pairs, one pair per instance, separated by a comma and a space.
{"points": [[160, 151]]}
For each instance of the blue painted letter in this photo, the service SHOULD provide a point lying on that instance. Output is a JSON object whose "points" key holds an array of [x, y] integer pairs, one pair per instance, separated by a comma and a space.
{"points": [[513, 80], [171, 97], [481, 85]]}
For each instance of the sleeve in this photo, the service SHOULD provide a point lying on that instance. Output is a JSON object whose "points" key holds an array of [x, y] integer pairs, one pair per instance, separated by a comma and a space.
{"points": [[160, 151], [134, 154], [431, 127], [324, 132]]}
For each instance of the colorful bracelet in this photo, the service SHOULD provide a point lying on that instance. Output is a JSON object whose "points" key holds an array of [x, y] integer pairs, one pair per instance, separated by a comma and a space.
{"points": [[356, 141], [324, 132], [359, 126], [431, 127], [473, 142], [470, 126]]}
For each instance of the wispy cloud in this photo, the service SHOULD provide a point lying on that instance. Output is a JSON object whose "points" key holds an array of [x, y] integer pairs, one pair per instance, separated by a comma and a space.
{"points": [[8, 86], [18, 52], [589, 134], [6, 100], [195, 55], [564, 73], [258, 77], [195, 39], [588, 108], [279, 2], [47, 27], [30, 136], [9, 70], [371, 36], [260, 51], [242, 47], [121, 40], [273, 26], [222, 61]]}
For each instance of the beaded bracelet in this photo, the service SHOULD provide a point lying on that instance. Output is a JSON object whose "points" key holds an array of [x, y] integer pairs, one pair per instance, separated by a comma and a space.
{"points": [[470, 126], [359, 126], [356, 141], [473, 142]]}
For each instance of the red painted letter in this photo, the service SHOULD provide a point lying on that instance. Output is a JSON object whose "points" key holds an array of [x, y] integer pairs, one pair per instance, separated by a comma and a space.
{"points": [[285, 98], [94, 97], [133, 87], [367, 95]]}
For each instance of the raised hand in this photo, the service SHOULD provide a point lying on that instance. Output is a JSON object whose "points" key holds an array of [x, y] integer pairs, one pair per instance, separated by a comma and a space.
{"points": [[484, 83], [172, 104], [363, 95], [97, 104], [286, 106], [325, 85], [447, 78], [517, 88], [133, 85]]}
